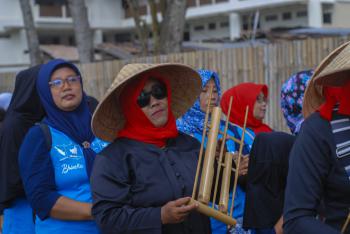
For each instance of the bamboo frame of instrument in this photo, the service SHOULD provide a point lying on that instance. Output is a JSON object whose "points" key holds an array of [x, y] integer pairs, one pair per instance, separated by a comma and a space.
{"points": [[225, 184], [345, 224], [203, 209], [206, 182], [203, 197], [239, 160], [222, 147], [202, 144]]}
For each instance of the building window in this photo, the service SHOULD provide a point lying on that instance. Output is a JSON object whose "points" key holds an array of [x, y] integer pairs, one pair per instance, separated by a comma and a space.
{"points": [[301, 14], [204, 2], [50, 11], [287, 16], [224, 24], [186, 36], [198, 28], [57, 9], [71, 40], [104, 38], [191, 3], [142, 10], [327, 18], [49, 40], [212, 26], [271, 17], [122, 37]]}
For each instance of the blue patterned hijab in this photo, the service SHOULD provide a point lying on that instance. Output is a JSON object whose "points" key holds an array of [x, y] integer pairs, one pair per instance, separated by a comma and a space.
{"points": [[75, 124], [192, 121], [292, 94]]}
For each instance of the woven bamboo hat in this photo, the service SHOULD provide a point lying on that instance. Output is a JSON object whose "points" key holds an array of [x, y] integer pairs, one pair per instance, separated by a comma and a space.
{"points": [[334, 70], [185, 85]]}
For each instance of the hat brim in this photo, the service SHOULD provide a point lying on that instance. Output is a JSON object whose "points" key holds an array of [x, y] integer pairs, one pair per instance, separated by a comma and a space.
{"points": [[332, 71], [185, 84]]}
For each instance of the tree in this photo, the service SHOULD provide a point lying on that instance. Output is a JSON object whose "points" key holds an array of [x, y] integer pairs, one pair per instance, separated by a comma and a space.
{"points": [[31, 33], [173, 25], [140, 24], [168, 34], [82, 31]]}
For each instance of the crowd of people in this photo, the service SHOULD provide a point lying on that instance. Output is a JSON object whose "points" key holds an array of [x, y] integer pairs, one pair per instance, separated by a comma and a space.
{"points": [[128, 164]]}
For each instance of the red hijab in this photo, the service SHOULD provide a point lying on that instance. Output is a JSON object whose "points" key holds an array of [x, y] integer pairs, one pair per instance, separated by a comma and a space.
{"points": [[334, 95], [244, 94], [137, 125]]}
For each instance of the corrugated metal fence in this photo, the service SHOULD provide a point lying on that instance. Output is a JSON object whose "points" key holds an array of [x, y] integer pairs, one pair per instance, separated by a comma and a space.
{"points": [[271, 64]]}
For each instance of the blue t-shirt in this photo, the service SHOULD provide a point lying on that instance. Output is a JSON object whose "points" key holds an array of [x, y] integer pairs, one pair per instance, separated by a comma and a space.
{"points": [[48, 175]]}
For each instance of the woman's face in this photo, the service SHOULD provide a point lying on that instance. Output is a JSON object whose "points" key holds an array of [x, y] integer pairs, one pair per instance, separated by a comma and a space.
{"points": [[66, 89], [260, 107], [157, 109], [204, 96]]}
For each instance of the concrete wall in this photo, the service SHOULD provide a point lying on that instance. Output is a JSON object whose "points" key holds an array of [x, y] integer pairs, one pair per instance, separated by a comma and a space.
{"points": [[10, 14], [206, 32], [13, 49], [341, 16], [280, 22]]}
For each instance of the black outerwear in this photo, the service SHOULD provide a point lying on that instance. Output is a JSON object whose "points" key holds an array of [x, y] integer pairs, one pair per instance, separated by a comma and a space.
{"points": [[132, 180], [266, 180], [24, 111], [316, 175]]}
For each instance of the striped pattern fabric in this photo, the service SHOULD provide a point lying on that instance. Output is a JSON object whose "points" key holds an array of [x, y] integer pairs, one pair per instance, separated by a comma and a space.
{"points": [[341, 132]]}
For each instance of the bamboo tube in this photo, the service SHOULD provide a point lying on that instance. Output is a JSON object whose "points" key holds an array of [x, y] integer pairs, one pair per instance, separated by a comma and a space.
{"points": [[209, 158], [223, 143], [225, 185], [239, 160], [231, 138], [345, 224], [203, 209], [194, 191]]}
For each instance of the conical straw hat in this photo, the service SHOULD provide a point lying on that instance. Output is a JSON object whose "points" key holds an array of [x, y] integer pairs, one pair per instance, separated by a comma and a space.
{"points": [[334, 70], [185, 85]]}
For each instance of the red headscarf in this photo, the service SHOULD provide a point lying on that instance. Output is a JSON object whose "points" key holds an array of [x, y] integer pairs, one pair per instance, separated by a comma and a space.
{"points": [[137, 125], [334, 95], [244, 94]]}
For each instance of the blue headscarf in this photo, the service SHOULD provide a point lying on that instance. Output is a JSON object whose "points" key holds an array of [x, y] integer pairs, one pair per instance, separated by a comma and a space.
{"points": [[192, 121], [75, 124]]}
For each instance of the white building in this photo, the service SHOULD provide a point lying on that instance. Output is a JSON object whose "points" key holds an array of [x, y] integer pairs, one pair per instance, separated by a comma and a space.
{"points": [[206, 20]]}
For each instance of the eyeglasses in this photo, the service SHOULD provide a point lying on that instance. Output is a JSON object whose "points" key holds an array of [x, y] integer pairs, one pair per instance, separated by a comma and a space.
{"points": [[58, 83], [158, 91], [261, 98]]}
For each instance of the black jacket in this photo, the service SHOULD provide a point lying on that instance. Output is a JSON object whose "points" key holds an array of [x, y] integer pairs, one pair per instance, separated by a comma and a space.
{"points": [[24, 111], [132, 180]]}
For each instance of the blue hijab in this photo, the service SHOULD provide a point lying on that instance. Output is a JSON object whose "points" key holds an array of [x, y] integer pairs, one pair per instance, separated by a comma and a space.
{"points": [[192, 121], [75, 124]]}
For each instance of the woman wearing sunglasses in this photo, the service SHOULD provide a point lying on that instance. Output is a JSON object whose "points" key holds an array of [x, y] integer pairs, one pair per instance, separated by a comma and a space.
{"points": [[56, 156], [141, 183]]}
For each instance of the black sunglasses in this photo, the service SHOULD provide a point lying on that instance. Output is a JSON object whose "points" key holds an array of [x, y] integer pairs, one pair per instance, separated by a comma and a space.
{"points": [[158, 91]]}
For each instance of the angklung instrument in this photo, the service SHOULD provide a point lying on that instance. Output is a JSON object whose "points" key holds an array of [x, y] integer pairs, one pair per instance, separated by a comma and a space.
{"points": [[206, 168]]}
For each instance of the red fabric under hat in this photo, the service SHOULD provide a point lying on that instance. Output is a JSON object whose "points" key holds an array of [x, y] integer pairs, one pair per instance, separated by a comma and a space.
{"points": [[334, 95], [244, 94], [138, 126]]}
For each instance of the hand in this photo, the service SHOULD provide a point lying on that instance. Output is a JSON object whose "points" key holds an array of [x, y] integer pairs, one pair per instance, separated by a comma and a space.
{"points": [[177, 211], [279, 226], [218, 148], [243, 165]]}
